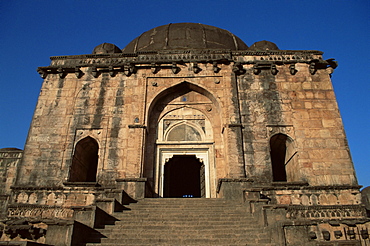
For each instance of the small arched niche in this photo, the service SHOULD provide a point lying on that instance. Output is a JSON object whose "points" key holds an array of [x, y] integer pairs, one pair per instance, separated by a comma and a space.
{"points": [[282, 154], [84, 161]]}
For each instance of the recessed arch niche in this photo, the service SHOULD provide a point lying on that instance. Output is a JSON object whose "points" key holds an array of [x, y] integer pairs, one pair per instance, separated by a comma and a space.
{"points": [[283, 158], [182, 121], [85, 161]]}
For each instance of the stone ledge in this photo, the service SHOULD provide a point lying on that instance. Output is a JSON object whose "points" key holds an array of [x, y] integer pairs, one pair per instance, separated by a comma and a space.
{"points": [[36, 188], [301, 186], [132, 180], [289, 184], [82, 184], [137, 126], [232, 180], [83, 208]]}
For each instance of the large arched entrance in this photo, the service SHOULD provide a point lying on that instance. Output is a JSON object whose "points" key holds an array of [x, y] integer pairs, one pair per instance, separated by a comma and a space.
{"points": [[184, 177], [180, 152]]}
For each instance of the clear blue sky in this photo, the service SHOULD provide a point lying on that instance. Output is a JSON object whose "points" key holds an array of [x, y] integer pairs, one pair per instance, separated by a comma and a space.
{"points": [[32, 31]]}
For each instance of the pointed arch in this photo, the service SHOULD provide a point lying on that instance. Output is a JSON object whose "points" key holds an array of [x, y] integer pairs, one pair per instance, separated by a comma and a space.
{"points": [[282, 153], [184, 131], [175, 91], [174, 112], [85, 161]]}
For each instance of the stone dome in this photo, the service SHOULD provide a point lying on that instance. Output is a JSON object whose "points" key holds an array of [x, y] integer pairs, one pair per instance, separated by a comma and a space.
{"points": [[185, 36], [106, 48], [263, 45]]}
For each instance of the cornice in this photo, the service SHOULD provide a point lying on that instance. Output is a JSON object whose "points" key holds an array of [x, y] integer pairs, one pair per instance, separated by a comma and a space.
{"points": [[129, 63]]}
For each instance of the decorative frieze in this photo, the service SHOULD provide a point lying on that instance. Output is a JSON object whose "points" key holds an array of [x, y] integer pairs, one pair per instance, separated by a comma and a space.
{"points": [[67, 198], [43, 212], [325, 212]]}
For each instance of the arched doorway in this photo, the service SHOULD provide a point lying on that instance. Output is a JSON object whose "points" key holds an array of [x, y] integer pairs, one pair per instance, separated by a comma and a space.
{"points": [[182, 122], [283, 158], [84, 161], [184, 177]]}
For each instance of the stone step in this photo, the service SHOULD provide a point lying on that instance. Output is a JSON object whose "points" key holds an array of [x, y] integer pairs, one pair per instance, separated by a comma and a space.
{"points": [[184, 222], [177, 231], [177, 241], [188, 210], [153, 215], [242, 237], [176, 216], [179, 221], [171, 244], [176, 236], [179, 212], [210, 210], [263, 239], [192, 206], [123, 224], [184, 202], [169, 206]]}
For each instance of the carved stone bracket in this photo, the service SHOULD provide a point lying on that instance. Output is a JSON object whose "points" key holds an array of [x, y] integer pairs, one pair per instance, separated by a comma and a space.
{"points": [[129, 69], [61, 72], [257, 68], [94, 72], [196, 68], [155, 68], [78, 72], [215, 68], [112, 72], [43, 73], [238, 68], [175, 69], [316, 64], [292, 69]]}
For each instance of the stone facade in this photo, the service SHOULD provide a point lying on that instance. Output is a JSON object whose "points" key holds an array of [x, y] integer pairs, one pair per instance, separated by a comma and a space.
{"points": [[261, 126]]}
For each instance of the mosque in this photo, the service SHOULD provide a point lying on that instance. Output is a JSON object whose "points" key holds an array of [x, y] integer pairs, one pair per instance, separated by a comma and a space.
{"points": [[192, 135]]}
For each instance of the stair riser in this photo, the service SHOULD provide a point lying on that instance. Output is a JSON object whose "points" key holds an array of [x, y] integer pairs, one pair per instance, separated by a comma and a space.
{"points": [[197, 221], [178, 218], [173, 241]]}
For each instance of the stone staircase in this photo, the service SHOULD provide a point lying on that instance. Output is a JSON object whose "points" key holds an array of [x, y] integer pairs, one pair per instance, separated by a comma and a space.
{"points": [[184, 221]]}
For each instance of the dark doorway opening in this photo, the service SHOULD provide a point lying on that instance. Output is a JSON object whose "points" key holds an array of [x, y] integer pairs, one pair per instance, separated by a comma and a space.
{"points": [[184, 177], [85, 161], [278, 148]]}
